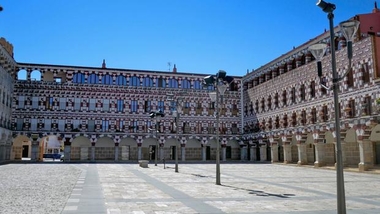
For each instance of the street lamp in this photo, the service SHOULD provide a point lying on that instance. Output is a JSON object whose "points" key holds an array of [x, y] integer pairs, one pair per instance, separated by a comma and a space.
{"points": [[348, 29], [156, 114], [219, 81], [176, 114]]}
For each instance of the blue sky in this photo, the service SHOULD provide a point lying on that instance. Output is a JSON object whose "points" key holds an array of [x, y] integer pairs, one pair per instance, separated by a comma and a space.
{"points": [[199, 36]]}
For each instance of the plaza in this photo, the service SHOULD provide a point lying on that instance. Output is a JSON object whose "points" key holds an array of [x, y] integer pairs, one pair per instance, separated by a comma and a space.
{"points": [[127, 188]]}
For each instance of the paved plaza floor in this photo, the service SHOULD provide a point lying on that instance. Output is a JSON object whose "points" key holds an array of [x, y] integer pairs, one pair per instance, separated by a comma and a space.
{"points": [[127, 188]]}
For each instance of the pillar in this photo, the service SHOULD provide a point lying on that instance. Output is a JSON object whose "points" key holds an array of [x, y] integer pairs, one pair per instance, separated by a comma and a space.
{"points": [[263, 152], [204, 152], [223, 152], [253, 153], [35, 148], [183, 152], [139, 152], [302, 155], [319, 154], [366, 155], [116, 152], [287, 153], [67, 150], [93, 151], [274, 152]]}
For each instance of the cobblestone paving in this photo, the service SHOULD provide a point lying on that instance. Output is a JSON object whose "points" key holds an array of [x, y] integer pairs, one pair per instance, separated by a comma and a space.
{"points": [[127, 188]]}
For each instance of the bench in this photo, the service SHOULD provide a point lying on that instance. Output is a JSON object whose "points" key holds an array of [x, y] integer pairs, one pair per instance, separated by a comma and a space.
{"points": [[143, 163]]}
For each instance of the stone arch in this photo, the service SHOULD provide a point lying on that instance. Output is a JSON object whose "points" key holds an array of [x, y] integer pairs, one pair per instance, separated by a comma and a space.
{"points": [[171, 142], [80, 148], [350, 147], [20, 143], [375, 134], [105, 141], [128, 148], [193, 143], [104, 148]]}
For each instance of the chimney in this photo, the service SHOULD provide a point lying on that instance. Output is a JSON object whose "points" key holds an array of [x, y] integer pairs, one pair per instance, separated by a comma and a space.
{"points": [[104, 64], [174, 69]]}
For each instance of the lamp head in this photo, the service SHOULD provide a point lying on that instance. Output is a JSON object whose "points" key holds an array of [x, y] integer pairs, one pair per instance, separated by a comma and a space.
{"points": [[325, 6], [349, 28], [152, 114], [228, 79], [160, 113], [318, 50], [209, 80], [1, 8], [221, 74]]}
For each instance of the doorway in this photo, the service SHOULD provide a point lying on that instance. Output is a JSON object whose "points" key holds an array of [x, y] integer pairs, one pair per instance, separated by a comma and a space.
{"points": [[25, 151], [377, 153], [173, 151], [208, 153], [152, 152], [228, 152]]}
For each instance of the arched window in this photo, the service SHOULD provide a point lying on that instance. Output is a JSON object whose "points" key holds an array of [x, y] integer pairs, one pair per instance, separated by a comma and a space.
{"points": [[148, 82], [121, 80], [93, 79], [78, 78], [107, 79], [161, 82], [35, 75], [173, 83], [134, 81], [186, 83], [197, 84], [22, 75]]}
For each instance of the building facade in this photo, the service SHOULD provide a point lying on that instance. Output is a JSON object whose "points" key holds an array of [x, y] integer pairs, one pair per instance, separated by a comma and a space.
{"points": [[279, 112], [286, 107]]}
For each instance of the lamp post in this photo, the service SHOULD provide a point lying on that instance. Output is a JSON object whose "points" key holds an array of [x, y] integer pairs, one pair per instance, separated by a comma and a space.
{"points": [[348, 28], [176, 114], [219, 81], [156, 114]]}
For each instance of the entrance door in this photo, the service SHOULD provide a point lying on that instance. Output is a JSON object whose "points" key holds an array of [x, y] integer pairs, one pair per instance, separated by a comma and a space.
{"points": [[281, 153], [228, 152], [377, 153], [208, 153], [173, 150], [25, 151], [258, 153], [152, 152]]}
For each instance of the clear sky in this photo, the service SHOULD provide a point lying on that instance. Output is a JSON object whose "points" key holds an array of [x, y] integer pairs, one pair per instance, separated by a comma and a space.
{"points": [[199, 36]]}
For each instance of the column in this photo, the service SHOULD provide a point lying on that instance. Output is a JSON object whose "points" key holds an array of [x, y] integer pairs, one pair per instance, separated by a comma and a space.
{"points": [[263, 152], [34, 156], [116, 152], [253, 153], [139, 151], [274, 152], [287, 153], [204, 152], [93, 151], [183, 152], [319, 154], [302, 155], [67, 150], [161, 157], [366, 155], [223, 152]]}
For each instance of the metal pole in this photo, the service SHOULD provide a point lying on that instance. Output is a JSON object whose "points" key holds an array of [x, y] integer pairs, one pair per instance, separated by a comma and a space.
{"points": [[176, 149], [217, 137], [341, 199], [156, 150]]}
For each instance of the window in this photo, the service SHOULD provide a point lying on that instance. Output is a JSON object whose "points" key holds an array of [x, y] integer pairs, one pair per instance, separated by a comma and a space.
{"points": [[270, 102], [134, 81], [21, 101], [91, 125], [93, 79], [303, 117], [303, 93], [325, 116], [366, 106], [121, 80], [147, 106], [107, 79], [134, 106], [62, 103], [312, 89], [350, 79], [35, 102], [106, 105], [276, 100], [78, 78], [293, 95], [161, 82], [77, 104], [173, 83], [148, 82], [313, 115], [197, 84], [284, 98], [262, 105], [186, 83], [105, 125], [161, 105], [120, 105], [365, 73], [92, 104]]}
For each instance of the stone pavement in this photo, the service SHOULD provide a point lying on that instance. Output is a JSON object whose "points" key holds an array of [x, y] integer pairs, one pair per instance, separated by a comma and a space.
{"points": [[128, 188]]}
